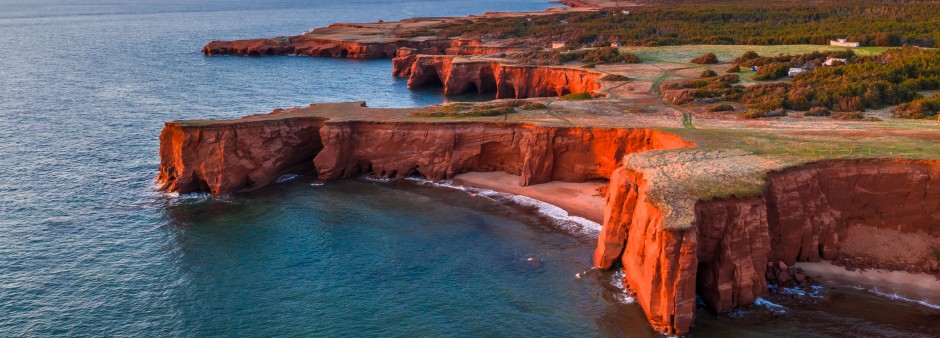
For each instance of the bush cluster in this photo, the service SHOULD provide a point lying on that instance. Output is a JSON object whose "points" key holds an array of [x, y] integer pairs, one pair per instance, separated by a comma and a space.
{"points": [[614, 77], [870, 22], [919, 108], [576, 96], [588, 56], [706, 59], [867, 82]]}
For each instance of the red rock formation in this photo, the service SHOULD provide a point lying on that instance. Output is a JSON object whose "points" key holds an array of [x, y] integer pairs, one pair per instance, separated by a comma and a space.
{"points": [[441, 150], [224, 157], [228, 156], [308, 46], [803, 216], [659, 265], [579, 4], [404, 58], [508, 81], [811, 207]]}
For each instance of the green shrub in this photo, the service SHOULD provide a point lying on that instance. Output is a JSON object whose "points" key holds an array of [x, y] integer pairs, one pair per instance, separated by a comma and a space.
{"points": [[848, 116], [576, 96], [752, 114], [772, 71], [533, 106], [614, 77], [707, 74], [817, 111], [720, 107], [729, 78], [706, 59], [734, 69], [760, 113], [918, 109]]}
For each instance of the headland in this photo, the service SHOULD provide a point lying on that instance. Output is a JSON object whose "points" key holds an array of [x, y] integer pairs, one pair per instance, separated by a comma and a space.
{"points": [[717, 179]]}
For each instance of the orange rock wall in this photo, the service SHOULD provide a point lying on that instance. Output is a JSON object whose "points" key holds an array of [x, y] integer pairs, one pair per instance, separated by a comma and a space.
{"points": [[301, 45], [803, 216], [811, 207], [659, 265], [441, 150], [508, 81], [228, 157]]}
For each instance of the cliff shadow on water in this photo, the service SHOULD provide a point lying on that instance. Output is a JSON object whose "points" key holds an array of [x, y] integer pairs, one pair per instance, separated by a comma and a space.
{"points": [[823, 210]]}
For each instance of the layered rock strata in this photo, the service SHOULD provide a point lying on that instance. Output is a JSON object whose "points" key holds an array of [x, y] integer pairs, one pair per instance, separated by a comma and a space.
{"points": [[821, 210], [805, 214], [246, 154], [337, 48], [458, 75]]}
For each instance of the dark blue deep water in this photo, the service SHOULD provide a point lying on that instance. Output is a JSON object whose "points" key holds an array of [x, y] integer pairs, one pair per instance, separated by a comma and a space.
{"points": [[87, 248]]}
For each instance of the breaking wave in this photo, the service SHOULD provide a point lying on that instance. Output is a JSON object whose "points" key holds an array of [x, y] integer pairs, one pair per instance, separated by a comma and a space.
{"points": [[560, 217]]}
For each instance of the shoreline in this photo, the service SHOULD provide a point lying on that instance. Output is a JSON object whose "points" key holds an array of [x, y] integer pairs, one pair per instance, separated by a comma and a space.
{"points": [[578, 199], [920, 288]]}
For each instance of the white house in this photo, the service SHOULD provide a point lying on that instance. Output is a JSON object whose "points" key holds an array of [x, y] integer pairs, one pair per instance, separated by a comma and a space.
{"points": [[843, 43], [558, 44], [793, 71]]}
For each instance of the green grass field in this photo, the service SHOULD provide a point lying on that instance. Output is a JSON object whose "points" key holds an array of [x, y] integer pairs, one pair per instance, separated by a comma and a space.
{"points": [[727, 53]]}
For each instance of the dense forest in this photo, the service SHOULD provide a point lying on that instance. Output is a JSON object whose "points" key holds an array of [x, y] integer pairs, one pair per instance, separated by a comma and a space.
{"points": [[872, 23]]}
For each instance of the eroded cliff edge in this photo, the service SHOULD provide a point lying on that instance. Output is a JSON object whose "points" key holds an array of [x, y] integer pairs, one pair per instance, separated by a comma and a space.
{"points": [[671, 240], [820, 210], [228, 156], [461, 75]]}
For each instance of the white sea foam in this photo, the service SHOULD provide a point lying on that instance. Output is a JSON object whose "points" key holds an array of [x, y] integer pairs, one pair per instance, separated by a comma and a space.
{"points": [[774, 307], [559, 217], [370, 178], [895, 296], [285, 178], [814, 292], [617, 281]]}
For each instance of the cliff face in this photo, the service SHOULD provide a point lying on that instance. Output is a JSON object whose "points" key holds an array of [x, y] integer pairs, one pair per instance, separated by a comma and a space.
{"points": [[806, 214], [439, 151], [508, 81], [232, 156], [225, 158], [305, 46], [659, 265]]}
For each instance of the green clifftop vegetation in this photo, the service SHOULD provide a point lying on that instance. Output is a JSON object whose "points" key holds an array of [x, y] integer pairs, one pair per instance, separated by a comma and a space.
{"points": [[872, 23]]}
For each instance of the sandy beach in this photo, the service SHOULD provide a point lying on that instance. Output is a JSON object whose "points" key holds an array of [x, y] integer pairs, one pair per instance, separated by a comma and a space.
{"points": [[913, 286], [578, 199]]}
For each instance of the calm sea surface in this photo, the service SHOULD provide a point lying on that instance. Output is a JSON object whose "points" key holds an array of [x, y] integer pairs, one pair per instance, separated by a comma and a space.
{"points": [[87, 248]]}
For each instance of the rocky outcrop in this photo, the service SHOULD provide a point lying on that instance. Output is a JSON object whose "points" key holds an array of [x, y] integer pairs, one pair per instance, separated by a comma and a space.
{"points": [[659, 265], [806, 214], [221, 158], [229, 156], [337, 48], [441, 150], [579, 4], [507, 81]]}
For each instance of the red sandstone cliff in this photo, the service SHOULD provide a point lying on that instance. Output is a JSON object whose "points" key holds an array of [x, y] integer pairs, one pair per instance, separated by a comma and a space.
{"points": [[508, 81], [806, 214], [239, 155], [222, 158], [659, 265], [347, 47]]}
